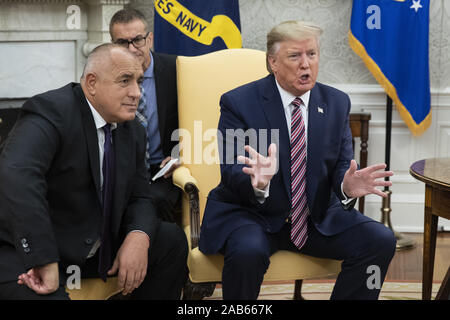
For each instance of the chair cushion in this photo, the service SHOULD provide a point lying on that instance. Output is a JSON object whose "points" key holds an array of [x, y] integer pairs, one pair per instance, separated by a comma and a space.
{"points": [[95, 289], [284, 265]]}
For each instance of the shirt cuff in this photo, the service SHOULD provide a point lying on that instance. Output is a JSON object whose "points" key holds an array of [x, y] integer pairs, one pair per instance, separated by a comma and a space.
{"points": [[346, 199], [262, 194], [141, 232]]}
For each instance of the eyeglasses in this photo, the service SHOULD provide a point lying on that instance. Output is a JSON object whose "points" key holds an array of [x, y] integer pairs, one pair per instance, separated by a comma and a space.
{"points": [[137, 42]]}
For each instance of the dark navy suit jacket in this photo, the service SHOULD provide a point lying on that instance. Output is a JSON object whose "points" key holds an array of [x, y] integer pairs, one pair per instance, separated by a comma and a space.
{"points": [[258, 106], [50, 198]]}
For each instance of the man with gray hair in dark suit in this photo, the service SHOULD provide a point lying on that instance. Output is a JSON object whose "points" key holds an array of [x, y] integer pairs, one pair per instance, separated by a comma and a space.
{"points": [[74, 191]]}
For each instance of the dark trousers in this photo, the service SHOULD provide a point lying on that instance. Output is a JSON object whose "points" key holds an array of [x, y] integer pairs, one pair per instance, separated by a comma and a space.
{"points": [[165, 196], [166, 271], [248, 249]]}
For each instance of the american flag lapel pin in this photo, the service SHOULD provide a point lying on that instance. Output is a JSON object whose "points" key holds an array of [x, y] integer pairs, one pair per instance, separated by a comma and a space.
{"points": [[319, 109]]}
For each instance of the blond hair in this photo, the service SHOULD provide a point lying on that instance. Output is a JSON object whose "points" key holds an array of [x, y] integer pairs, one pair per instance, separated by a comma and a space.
{"points": [[290, 30]]}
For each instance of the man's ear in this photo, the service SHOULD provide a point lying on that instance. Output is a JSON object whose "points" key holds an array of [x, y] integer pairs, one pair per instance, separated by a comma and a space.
{"points": [[150, 40], [91, 83], [271, 62]]}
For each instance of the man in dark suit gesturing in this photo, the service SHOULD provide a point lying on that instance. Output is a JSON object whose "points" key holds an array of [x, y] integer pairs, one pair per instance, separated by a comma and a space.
{"points": [[74, 191], [298, 194], [157, 110]]}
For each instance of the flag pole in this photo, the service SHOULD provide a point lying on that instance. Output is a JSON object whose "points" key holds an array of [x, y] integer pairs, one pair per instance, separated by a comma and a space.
{"points": [[403, 241]]}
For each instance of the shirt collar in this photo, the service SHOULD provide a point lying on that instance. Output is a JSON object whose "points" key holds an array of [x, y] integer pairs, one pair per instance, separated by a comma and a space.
{"points": [[98, 120], [287, 97], [149, 73]]}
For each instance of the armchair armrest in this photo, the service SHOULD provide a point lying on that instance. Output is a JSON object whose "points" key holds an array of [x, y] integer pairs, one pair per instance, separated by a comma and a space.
{"points": [[183, 179]]}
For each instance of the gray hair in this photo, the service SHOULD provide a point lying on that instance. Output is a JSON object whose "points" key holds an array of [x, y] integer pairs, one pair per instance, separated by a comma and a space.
{"points": [[101, 54], [290, 30]]}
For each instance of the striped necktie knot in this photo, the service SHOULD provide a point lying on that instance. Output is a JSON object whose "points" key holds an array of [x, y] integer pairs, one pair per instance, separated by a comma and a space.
{"points": [[297, 102]]}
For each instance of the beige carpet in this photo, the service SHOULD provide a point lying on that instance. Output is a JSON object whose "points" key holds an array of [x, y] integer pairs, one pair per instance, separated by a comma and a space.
{"points": [[322, 291]]}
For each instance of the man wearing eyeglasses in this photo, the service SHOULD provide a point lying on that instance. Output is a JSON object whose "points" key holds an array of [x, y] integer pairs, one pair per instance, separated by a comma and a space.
{"points": [[157, 110]]}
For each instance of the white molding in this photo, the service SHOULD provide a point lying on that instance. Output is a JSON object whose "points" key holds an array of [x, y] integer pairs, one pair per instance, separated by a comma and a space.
{"points": [[372, 96], [406, 229], [403, 178], [107, 2], [42, 35], [399, 198], [355, 88], [417, 229]]}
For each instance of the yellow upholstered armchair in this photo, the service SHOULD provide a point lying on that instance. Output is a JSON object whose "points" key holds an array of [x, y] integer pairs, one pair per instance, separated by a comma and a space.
{"points": [[201, 82]]}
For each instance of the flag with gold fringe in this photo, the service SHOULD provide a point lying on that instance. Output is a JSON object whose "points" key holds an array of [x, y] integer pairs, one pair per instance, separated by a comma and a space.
{"points": [[195, 27], [391, 37]]}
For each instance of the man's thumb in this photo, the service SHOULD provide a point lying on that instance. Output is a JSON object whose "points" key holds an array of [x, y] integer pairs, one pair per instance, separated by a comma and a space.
{"points": [[114, 267], [272, 151], [353, 167]]}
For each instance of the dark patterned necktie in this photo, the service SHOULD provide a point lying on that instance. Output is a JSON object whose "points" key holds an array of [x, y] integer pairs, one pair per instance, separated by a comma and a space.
{"points": [[140, 115], [299, 211], [107, 203]]}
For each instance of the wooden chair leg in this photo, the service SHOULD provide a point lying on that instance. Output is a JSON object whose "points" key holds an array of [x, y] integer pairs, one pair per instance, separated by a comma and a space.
{"points": [[197, 291], [298, 290], [444, 290]]}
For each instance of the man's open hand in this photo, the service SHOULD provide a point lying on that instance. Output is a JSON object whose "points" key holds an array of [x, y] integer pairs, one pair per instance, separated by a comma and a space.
{"points": [[261, 169], [359, 183]]}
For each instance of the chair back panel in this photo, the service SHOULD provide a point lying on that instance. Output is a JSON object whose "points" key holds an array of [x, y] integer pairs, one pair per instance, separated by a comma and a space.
{"points": [[201, 81]]}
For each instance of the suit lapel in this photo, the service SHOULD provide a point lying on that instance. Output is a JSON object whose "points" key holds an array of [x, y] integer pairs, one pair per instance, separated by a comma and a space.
{"points": [[317, 121], [90, 134], [122, 149], [274, 112], [161, 93]]}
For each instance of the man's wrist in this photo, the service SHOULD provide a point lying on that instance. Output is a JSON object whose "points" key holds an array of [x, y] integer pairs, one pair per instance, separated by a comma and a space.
{"points": [[141, 232], [347, 199], [262, 194]]}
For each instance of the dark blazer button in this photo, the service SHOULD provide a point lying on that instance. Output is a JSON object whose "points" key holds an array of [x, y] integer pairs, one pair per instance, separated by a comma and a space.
{"points": [[27, 250], [23, 240], [88, 241]]}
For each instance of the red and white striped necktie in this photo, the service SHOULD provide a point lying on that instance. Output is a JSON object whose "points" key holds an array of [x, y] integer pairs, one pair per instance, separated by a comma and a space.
{"points": [[299, 211]]}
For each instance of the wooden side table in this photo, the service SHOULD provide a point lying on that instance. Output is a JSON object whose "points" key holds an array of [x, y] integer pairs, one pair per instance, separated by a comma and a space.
{"points": [[436, 175], [359, 125]]}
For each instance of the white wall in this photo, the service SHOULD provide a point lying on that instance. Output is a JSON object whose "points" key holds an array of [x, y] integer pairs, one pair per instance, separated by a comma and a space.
{"points": [[43, 43]]}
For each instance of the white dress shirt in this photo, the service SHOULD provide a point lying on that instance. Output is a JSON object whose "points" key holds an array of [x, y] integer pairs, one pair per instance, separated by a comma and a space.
{"points": [[286, 99], [99, 124]]}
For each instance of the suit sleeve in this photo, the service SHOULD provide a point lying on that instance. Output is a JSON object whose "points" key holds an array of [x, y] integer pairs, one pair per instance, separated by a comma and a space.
{"points": [[232, 146], [140, 213], [345, 156], [24, 163]]}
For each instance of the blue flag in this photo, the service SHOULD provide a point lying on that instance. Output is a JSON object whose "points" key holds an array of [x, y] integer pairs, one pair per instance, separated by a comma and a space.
{"points": [[195, 27], [391, 37]]}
